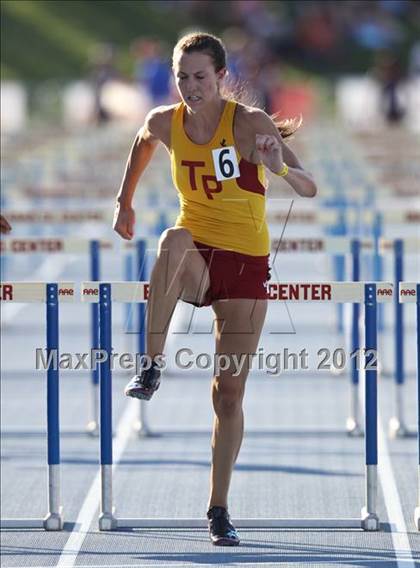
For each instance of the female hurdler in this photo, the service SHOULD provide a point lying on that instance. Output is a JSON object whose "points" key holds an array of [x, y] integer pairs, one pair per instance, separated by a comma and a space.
{"points": [[217, 253]]}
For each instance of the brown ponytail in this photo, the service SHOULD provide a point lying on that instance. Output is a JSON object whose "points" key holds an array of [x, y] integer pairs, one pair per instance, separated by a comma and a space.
{"points": [[287, 126]]}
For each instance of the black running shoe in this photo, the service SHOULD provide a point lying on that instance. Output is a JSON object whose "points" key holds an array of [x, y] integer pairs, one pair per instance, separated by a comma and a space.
{"points": [[144, 385], [222, 532]]}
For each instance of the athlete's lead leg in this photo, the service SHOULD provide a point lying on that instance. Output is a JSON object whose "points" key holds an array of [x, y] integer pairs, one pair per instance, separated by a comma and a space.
{"points": [[180, 271]]}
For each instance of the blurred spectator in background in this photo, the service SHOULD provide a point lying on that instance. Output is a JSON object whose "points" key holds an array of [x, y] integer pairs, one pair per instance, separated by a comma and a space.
{"points": [[152, 69], [414, 60], [103, 70], [317, 31], [388, 71], [254, 70], [374, 28]]}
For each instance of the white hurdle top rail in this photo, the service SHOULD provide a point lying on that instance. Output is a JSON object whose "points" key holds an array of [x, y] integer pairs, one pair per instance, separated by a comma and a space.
{"points": [[333, 245], [332, 292], [340, 245], [23, 292], [71, 217], [66, 245], [278, 212], [127, 292], [57, 216]]}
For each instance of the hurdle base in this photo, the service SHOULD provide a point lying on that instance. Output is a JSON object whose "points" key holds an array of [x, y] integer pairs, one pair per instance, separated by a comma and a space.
{"points": [[92, 428], [417, 517], [54, 521], [22, 524], [262, 523], [353, 428], [397, 429], [143, 431], [107, 521], [370, 521]]}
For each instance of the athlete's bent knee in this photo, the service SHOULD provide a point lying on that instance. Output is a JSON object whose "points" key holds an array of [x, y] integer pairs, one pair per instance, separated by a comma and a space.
{"points": [[178, 239]]}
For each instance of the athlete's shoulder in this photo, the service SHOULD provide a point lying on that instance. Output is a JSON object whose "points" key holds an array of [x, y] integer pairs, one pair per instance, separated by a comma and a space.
{"points": [[253, 117], [158, 120]]}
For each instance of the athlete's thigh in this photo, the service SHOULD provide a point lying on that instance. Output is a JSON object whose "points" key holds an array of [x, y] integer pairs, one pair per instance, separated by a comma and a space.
{"points": [[195, 274], [196, 278], [239, 323]]}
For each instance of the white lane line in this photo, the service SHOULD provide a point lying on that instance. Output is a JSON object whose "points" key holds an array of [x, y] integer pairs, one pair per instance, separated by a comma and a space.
{"points": [[135, 565], [90, 505], [400, 540]]}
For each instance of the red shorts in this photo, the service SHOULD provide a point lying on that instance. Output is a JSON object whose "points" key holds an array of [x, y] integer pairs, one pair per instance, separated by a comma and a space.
{"points": [[234, 275]]}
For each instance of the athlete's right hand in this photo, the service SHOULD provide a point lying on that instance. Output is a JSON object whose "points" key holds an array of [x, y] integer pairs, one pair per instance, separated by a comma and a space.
{"points": [[124, 221]]}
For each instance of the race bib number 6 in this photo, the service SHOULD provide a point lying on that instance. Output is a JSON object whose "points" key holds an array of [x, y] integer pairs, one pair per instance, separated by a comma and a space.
{"points": [[225, 163]]}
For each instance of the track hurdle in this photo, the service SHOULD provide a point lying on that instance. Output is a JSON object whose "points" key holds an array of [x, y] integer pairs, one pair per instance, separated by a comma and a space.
{"points": [[400, 248], [354, 248], [378, 220], [93, 248], [331, 245], [51, 294], [337, 292], [410, 293], [69, 245]]}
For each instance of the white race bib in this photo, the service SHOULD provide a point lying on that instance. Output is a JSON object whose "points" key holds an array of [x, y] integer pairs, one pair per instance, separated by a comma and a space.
{"points": [[225, 163]]}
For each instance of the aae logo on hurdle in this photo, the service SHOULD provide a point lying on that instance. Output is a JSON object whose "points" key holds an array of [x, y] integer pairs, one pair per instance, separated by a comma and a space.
{"points": [[408, 292]]}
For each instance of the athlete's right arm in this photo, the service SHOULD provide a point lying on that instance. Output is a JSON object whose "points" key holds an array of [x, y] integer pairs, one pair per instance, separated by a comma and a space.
{"points": [[144, 145]]}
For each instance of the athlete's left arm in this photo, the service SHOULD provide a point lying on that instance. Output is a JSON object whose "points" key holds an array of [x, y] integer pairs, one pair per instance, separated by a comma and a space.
{"points": [[274, 153]]}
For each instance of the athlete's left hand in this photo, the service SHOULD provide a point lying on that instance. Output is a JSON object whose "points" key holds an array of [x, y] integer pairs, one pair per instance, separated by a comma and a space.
{"points": [[4, 225], [270, 151]]}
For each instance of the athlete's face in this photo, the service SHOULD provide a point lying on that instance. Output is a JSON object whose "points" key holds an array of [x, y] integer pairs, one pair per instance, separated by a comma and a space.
{"points": [[196, 79]]}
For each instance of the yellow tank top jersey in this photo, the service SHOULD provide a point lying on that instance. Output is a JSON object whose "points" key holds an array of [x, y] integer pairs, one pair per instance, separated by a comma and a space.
{"points": [[222, 199]]}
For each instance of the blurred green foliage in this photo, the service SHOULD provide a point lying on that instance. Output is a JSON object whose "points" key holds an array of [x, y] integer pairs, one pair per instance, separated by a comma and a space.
{"points": [[56, 39], [46, 39]]}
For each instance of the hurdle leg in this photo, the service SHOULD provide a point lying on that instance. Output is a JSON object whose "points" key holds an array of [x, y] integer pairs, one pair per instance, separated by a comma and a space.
{"points": [[92, 426], [417, 509], [397, 425], [141, 425], [53, 520], [107, 520], [353, 425], [128, 272], [353, 421], [370, 519], [378, 269]]}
